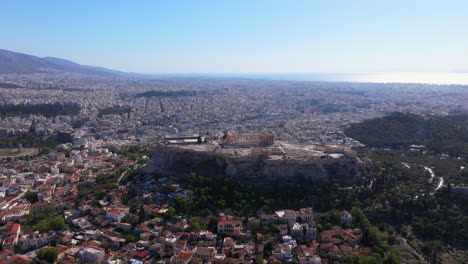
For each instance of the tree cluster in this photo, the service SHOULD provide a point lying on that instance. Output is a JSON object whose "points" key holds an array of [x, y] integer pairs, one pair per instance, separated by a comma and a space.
{"points": [[48, 110], [440, 134]]}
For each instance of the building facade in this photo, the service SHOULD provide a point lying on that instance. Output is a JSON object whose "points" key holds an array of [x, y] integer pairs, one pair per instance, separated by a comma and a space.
{"points": [[230, 225], [253, 139]]}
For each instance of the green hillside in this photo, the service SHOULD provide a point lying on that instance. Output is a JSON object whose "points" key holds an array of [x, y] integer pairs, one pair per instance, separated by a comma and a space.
{"points": [[440, 134]]}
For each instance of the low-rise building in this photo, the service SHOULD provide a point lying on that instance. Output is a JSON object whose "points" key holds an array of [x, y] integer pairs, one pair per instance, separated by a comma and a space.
{"points": [[12, 233], [17, 260], [4, 254], [182, 258], [282, 252], [205, 253], [289, 216], [345, 217], [39, 208], [230, 225], [116, 215], [35, 240], [307, 255], [307, 214], [92, 254]]}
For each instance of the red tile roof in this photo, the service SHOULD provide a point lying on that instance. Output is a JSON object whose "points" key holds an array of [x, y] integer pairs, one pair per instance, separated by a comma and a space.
{"points": [[17, 259], [185, 255], [38, 204], [13, 228], [228, 220], [6, 252]]}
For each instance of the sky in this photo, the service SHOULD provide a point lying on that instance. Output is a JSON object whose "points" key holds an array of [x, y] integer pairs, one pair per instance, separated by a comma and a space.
{"points": [[223, 36]]}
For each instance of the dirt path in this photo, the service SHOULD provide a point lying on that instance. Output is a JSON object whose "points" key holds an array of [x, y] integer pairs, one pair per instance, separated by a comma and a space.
{"points": [[404, 243], [121, 176]]}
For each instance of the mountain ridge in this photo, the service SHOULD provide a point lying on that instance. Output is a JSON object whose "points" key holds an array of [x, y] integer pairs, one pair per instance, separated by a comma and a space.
{"points": [[19, 63]]}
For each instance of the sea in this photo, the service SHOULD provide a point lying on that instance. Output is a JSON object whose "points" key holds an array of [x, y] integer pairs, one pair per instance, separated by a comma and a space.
{"points": [[456, 78]]}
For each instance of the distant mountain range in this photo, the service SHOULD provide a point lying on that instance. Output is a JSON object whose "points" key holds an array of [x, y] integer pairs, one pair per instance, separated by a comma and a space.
{"points": [[14, 62]]}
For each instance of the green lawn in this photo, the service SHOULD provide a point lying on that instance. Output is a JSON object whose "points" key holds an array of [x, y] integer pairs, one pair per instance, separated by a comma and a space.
{"points": [[8, 152]]}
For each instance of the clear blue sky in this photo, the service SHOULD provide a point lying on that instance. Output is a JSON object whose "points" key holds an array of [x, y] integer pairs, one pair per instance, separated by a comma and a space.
{"points": [[348, 36]]}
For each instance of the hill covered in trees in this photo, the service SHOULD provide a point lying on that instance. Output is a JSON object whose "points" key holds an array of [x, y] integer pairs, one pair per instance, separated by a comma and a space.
{"points": [[48, 110], [9, 85], [440, 134]]}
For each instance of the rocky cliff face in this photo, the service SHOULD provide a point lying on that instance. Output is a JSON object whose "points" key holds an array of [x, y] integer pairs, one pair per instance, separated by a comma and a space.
{"points": [[172, 161]]}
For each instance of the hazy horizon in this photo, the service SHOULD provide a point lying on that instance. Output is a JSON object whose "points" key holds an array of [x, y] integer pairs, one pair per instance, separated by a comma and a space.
{"points": [[437, 78]]}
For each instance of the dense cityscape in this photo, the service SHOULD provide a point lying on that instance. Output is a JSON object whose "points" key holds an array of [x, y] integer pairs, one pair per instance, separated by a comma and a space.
{"points": [[82, 198], [234, 132], [294, 111]]}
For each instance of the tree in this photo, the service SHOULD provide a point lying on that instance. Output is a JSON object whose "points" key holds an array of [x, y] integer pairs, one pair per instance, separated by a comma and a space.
{"points": [[54, 242], [391, 240], [48, 254], [260, 260], [171, 211], [55, 223], [180, 204], [432, 250], [141, 214], [254, 226], [31, 197], [393, 257], [129, 238], [350, 259], [372, 236], [195, 225]]}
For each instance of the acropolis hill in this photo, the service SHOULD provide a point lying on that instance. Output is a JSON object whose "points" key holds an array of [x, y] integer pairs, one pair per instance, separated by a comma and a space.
{"points": [[280, 161]]}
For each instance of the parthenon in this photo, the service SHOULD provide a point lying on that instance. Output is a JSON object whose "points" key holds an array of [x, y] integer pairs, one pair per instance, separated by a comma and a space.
{"points": [[252, 139]]}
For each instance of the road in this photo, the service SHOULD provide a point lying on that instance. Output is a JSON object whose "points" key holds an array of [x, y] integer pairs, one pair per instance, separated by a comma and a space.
{"points": [[31, 254], [121, 176], [405, 244], [6, 204]]}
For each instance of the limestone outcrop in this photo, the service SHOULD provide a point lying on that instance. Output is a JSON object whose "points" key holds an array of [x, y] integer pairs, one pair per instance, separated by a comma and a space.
{"points": [[256, 169]]}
